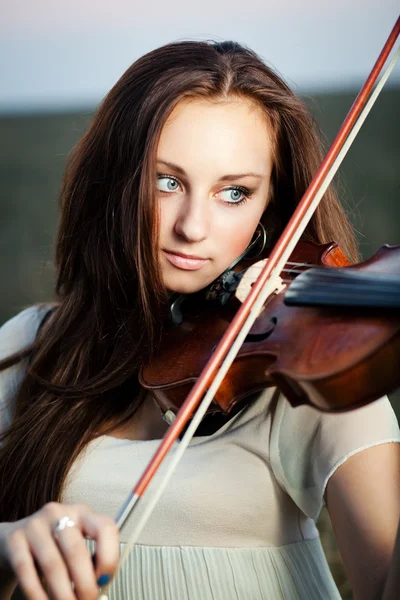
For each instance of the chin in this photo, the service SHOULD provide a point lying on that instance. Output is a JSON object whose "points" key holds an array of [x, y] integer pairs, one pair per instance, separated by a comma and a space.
{"points": [[186, 285], [185, 288]]}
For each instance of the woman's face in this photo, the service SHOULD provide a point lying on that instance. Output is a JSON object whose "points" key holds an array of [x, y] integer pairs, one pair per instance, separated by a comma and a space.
{"points": [[214, 164]]}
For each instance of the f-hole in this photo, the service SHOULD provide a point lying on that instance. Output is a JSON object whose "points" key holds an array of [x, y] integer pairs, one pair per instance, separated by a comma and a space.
{"points": [[254, 337]]}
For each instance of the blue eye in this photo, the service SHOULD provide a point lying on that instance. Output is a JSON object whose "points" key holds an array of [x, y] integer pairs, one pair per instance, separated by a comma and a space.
{"points": [[167, 184], [237, 195]]}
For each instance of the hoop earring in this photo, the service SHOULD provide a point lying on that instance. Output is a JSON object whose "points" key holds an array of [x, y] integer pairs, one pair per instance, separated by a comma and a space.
{"points": [[260, 237]]}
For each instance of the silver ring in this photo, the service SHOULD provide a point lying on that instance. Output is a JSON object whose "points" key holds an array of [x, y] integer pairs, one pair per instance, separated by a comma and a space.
{"points": [[63, 523]]}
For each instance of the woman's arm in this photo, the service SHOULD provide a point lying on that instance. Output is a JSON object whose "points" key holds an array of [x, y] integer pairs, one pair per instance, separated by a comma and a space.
{"points": [[363, 500], [393, 582]]}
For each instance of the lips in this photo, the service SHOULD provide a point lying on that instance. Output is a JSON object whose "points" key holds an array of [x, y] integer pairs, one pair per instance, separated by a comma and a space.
{"points": [[187, 262]]}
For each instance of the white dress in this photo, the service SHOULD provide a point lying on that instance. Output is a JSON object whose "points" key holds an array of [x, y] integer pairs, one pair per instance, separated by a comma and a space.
{"points": [[237, 521]]}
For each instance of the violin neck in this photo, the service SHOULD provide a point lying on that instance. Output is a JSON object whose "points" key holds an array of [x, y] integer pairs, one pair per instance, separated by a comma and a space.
{"points": [[345, 288]]}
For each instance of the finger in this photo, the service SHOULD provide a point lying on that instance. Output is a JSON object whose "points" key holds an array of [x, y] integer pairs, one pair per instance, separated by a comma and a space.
{"points": [[49, 559], [79, 562], [104, 532], [22, 563]]}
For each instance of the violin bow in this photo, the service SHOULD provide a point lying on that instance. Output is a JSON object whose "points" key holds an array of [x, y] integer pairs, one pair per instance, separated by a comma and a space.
{"points": [[266, 284]]}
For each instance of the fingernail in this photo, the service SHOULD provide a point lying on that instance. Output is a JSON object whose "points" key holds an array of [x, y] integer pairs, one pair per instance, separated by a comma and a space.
{"points": [[103, 580]]}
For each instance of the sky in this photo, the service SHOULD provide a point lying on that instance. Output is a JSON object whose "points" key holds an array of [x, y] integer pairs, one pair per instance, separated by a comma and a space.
{"points": [[66, 54]]}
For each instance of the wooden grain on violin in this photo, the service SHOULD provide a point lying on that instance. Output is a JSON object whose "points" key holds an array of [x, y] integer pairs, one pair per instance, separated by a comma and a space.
{"points": [[332, 358]]}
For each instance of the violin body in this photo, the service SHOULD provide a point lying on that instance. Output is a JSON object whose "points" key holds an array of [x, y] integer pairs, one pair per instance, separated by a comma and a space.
{"points": [[334, 358]]}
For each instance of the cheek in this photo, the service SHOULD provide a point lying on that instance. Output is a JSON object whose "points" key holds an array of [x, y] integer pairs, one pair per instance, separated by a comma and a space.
{"points": [[240, 241], [235, 230], [166, 219], [237, 240]]}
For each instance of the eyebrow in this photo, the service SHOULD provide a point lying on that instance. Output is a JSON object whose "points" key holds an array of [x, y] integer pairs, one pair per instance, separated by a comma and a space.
{"points": [[230, 177]]}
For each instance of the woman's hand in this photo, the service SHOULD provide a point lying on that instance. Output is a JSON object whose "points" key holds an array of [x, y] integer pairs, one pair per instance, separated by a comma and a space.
{"points": [[30, 548]]}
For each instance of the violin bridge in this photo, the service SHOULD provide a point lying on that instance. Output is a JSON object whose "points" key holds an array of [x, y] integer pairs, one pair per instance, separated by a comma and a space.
{"points": [[249, 278]]}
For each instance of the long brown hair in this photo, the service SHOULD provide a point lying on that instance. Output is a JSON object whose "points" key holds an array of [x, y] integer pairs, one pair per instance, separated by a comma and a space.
{"points": [[82, 377]]}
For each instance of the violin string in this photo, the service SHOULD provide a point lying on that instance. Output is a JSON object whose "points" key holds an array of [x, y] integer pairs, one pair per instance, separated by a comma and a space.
{"points": [[294, 264], [346, 290], [264, 293], [323, 271], [245, 277], [351, 275], [290, 270], [347, 296], [259, 268], [251, 276], [343, 287], [360, 282], [340, 290]]}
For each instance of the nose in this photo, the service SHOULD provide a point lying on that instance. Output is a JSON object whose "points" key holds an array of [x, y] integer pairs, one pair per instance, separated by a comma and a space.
{"points": [[193, 219]]}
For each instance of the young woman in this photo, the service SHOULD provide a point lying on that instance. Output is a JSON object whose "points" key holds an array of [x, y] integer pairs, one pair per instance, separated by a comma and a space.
{"points": [[194, 146]]}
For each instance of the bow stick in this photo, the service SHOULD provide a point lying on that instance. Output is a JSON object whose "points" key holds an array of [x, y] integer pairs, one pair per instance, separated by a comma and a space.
{"points": [[265, 285]]}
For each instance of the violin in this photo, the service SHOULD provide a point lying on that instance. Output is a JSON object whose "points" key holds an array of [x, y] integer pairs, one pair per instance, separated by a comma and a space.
{"points": [[333, 343]]}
